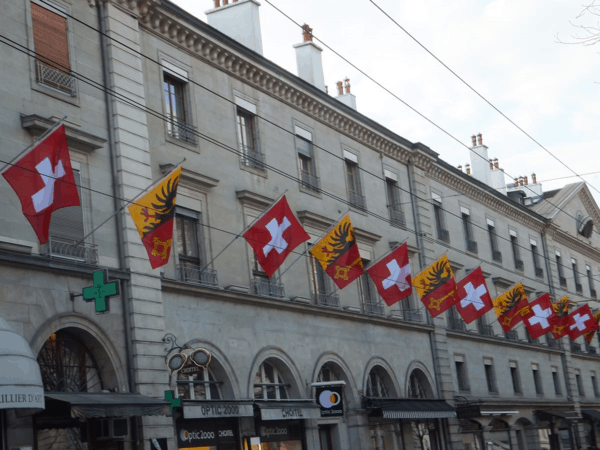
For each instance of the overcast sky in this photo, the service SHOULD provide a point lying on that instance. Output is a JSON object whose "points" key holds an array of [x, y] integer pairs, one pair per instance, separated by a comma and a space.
{"points": [[506, 49]]}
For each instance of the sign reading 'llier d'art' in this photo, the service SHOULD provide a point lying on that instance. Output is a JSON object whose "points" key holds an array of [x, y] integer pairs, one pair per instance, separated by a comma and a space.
{"points": [[12, 397]]}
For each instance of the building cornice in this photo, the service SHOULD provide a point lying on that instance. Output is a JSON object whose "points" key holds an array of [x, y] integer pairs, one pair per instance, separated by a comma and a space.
{"points": [[590, 205], [573, 243]]}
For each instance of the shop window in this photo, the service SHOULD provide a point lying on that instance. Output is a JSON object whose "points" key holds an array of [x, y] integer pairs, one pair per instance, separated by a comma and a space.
{"points": [[201, 385], [269, 384], [376, 386]]}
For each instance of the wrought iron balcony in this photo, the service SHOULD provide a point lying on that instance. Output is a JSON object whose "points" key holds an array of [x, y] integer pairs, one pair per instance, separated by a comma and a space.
{"points": [[69, 249], [55, 78], [497, 256], [539, 272], [357, 200], [373, 308], [576, 347], [443, 235], [485, 330], [519, 264], [183, 131], [563, 281], [552, 343], [193, 274], [310, 181], [592, 350], [267, 288], [251, 157], [397, 216], [456, 323], [593, 293], [512, 335], [327, 299], [531, 340], [471, 246], [579, 288], [412, 315]]}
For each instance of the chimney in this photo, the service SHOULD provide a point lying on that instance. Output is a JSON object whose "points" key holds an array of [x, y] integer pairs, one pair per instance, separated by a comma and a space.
{"points": [[468, 168], [346, 98], [526, 182], [491, 164], [521, 181], [497, 178], [474, 139], [533, 178], [309, 60], [239, 20], [480, 161]]}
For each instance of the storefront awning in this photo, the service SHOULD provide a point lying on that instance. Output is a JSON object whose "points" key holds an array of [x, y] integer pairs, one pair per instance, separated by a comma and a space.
{"points": [[553, 415], [591, 414], [101, 404], [289, 410], [20, 378], [411, 408]]}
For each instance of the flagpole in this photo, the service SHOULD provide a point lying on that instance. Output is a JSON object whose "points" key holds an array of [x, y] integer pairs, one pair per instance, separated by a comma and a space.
{"points": [[128, 202], [36, 141]]}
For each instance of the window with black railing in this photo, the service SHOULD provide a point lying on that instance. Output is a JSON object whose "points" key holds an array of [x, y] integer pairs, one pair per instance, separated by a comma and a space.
{"points": [[323, 291], [561, 271], [539, 272], [394, 203], [455, 322], [496, 254], [590, 281], [469, 235], [250, 155], [306, 165], [178, 118], [514, 242], [440, 223], [262, 285], [355, 193], [511, 335], [370, 300], [190, 249], [578, 286], [483, 328]]}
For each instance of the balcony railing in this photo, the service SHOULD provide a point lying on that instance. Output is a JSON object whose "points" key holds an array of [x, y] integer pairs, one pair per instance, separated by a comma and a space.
{"points": [[191, 273], [373, 308], [531, 340], [412, 315], [397, 216], [357, 200], [539, 272], [456, 323], [310, 181], [576, 347], [593, 293], [267, 288], [552, 343], [497, 256], [519, 264], [72, 250], [182, 131], [563, 281], [471, 246], [327, 299], [592, 350], [251, 157], [512, 335], [485, 330], [443, 235], [56, 78], [578, 288]]}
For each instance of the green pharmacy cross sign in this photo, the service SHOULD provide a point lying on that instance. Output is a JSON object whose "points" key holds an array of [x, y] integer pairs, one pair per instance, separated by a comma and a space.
{"points": [[101, 291]]}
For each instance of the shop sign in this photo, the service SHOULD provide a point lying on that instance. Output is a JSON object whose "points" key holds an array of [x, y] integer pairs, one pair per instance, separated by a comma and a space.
{"points": [[289, 413], [280, 431], [194, 434], [216, 410], [468, 411], [12, 397], [330, 400]]}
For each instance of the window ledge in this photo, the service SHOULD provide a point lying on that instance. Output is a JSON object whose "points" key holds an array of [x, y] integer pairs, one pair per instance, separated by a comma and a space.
{"points": [[77, 139], [247, 197], [192, 180], [310, 192]]}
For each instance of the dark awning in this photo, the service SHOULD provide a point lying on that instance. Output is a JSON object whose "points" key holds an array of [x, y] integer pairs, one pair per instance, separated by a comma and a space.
{"points": [[84, 404], [410, 408], [591, 414], [568, 414], [289, 410]]}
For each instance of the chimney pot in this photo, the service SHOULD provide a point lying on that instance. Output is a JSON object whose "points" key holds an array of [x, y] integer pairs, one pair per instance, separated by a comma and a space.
{"points": [[340, 87], [533, 178], [225, 2], [480, 137], [306, 32], [347, 85], [491, 164], [217, 3], [474, 139], [468, 167], [526, 181], [496, 163], [521, 180]]}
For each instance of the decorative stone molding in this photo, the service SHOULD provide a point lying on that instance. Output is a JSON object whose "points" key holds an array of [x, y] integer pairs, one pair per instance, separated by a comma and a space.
{"points": [[573, 243], [253, 199], [590, 205], [192, 180]]}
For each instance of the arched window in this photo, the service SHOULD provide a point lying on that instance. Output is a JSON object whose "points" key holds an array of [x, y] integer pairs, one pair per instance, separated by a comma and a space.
{"points": [[269, 384], [326, 374], [415, 388], [200, 385], [375, 383], [67, 365]]}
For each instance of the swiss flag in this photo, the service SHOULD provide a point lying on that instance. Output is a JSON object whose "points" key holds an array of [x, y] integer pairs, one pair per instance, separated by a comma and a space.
{"points": [[581, 321], [392, 276], [541, 318], [275, 235], [44, 182], [474, 297]]}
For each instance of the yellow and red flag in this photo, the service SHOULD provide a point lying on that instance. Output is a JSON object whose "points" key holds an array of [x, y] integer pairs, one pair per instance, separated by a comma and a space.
{"points": [[511, 307], [590, 334], [436, 286], [153, 216], [338, 254], [559, 319]]}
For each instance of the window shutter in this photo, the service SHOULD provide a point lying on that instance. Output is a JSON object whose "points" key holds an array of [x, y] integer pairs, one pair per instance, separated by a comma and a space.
{"points": [[50, 37], [304, 147], [67, 223]]}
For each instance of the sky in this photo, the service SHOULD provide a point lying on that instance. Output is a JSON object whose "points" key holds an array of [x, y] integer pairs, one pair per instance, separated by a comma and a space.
{"points": [[506, 49]]}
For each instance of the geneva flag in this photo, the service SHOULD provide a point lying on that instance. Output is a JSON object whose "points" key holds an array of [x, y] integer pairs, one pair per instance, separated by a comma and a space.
{"points": [[559, 319], [511, 307], [590, 334], [391, 276], [338, 254], [153, 216], [474, 297], [436, 287], [275, 235], [44, 182]]}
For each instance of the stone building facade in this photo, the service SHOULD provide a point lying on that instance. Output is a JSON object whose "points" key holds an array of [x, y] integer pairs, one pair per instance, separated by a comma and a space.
{"points": [[143, 85]]}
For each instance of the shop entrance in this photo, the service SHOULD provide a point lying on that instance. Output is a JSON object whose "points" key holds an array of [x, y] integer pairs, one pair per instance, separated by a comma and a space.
{"points": [[325, 437]]}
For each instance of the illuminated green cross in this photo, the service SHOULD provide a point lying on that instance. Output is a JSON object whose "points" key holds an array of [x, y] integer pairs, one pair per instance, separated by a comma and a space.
{"points": [[101, 291], [174, 402]]}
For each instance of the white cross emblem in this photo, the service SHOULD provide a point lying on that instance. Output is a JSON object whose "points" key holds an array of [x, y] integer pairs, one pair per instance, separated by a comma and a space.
{"points": [[277, 242], [474, 296], [397, 276], [580, 321], [45, 196], [540, 316]]}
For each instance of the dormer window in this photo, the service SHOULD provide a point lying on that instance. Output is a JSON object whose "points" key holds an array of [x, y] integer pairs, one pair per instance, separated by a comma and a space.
{"points": [[585, 226]]}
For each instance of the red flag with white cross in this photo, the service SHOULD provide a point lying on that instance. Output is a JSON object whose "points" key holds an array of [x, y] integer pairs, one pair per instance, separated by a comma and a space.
{"points": [[541, 318], [580, 322], [44, 182], [391, 276], [275, 235], [474, 296]]}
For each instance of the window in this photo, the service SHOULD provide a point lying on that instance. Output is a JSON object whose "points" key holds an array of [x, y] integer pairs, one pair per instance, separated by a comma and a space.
{"points": [[326, 374], [306, 163], [368, 293], [578, 287], [536, 379], [355, 195], [461, 373], [556, 381], [394, 201], [514, 375], [178, 120], [496, 255], [595, 385], [322, 285], [440, 224], [375, 384], [262, 285], [590, 281], [468, 230], [416, 388], [561, 272], [200, 385], [247, 141], [514, 242], [539, 272], [455, 322], [190, 248], [52, 47], [490, 377], [269, 384], [579, 383]]}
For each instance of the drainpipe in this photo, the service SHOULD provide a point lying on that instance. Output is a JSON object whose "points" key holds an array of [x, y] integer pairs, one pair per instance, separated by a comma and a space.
{"points": [[117, 205]]}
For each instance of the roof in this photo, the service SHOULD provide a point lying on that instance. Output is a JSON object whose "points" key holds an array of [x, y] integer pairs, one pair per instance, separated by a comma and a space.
{"points": [[558, 197]]}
